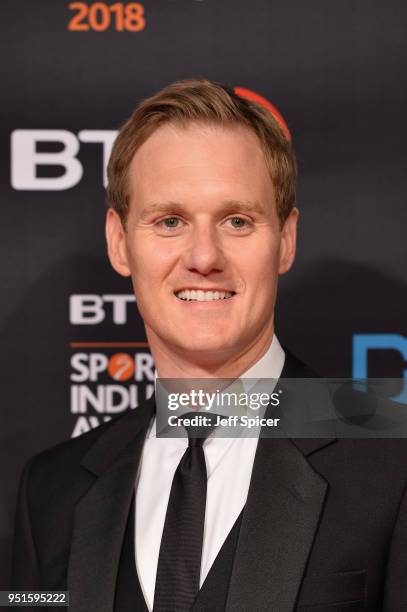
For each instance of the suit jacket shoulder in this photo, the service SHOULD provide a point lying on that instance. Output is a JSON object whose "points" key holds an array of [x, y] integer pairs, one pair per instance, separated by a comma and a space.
{"points": [[52, 484]]}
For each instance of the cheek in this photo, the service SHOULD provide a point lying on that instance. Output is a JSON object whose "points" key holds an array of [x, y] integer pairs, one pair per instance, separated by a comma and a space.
{"points": [[259, 267], [150, 263]]}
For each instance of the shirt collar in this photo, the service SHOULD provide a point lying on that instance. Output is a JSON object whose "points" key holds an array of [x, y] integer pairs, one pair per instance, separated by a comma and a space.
{"points": [[269, 366]]}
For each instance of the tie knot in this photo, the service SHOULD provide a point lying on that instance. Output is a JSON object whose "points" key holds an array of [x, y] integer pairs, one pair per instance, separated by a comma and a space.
{"points": [[198, 426]]}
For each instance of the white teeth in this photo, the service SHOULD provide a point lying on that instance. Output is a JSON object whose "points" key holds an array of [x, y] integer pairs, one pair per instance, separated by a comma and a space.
{"points": [[203, 296]]}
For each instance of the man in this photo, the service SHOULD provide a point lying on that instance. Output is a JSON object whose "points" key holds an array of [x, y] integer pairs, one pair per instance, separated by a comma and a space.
{"points": [[202, 217]]}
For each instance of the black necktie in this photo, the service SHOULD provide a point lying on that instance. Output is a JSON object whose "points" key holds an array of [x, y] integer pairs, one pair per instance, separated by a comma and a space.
{"points": [[179, 561]]}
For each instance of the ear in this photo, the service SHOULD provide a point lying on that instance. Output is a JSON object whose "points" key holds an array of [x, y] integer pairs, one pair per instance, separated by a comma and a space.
{"points": [[116, 243], [288, 242]]}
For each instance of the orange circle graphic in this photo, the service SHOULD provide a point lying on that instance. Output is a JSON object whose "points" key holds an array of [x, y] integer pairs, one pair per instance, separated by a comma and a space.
{"points": [[121, 366], [243, 92]]}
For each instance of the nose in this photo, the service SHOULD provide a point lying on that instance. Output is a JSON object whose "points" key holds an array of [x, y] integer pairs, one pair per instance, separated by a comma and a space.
{"points": [[204, 253]]}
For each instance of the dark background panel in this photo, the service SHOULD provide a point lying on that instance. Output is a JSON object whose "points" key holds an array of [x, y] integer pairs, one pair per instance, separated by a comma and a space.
{"points": [[336, 71]]}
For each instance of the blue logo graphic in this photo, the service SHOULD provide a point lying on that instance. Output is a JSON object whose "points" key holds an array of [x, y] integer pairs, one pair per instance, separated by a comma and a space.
{"points": [[362, 343]]}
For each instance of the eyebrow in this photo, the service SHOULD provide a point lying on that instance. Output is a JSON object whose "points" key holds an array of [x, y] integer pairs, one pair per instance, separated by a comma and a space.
{"points": [[228, 206], [160, 207]]}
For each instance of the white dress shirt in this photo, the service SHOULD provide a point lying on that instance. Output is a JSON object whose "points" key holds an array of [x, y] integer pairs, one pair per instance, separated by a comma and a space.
{"points": [[229, 463]]}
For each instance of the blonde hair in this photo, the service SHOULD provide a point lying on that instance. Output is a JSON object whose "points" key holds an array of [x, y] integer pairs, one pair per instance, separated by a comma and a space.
{"points": [[201, 100]]}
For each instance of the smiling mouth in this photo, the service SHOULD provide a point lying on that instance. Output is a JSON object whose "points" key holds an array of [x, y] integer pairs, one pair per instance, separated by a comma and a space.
{"points": [[198, 295]]}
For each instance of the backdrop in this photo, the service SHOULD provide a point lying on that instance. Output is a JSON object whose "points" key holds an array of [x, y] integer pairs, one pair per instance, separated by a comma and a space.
{"points": [[73, 346]]}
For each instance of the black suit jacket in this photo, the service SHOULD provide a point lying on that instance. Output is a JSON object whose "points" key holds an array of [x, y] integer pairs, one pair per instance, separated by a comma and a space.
{"points": [[324, 527]]}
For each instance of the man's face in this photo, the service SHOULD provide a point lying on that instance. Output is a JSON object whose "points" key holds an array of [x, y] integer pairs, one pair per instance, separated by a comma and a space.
{"points": [[202, 218]]}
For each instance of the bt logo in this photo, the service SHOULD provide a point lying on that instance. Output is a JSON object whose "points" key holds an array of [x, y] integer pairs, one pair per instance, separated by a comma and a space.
{"points": [[90, 309], [363, 343], [25, 158]]}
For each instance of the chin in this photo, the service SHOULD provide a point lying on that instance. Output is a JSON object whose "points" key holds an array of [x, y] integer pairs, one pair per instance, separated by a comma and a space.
{"points": [[201, 348], [207, 350]]}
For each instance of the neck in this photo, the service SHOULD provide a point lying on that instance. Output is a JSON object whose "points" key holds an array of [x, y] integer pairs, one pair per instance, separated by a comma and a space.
{"points": [[172, 362]]}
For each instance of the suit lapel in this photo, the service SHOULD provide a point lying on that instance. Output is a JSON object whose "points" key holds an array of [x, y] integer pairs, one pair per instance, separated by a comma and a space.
{"points": [[280, 520], [100, 516], [282, 512]]}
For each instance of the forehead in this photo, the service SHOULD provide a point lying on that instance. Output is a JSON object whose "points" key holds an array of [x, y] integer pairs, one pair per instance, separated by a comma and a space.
{"points": [[210, 160]]}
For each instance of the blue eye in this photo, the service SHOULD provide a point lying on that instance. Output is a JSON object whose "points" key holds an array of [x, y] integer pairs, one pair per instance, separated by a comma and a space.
{"points": [[238, 222], [170, 222]]}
